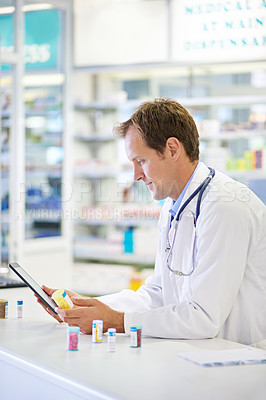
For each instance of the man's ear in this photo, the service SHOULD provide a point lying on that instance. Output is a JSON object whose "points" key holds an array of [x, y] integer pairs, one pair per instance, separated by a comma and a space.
{"points": [[173, 145]]}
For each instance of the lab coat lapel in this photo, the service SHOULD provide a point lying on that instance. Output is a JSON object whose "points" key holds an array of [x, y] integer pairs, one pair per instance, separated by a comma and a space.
{"points": [[182, 252], [201, 174], [165, 222]]}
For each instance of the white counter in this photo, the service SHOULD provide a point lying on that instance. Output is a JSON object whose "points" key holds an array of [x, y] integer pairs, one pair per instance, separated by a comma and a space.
{"points": [[34, 364]]}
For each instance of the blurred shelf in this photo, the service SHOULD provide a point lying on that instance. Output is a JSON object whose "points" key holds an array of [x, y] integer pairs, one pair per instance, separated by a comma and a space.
{"points": [[94, 138], [95, 106], [95, 175], [5, 216], [254, 174], [228, 136], [5, 114], [223, 100], [208, 101], [43, 167], [44, 215], [121, 223], [91, 292], [44, 113], [128, 259], [34, 146], [6, 123]]}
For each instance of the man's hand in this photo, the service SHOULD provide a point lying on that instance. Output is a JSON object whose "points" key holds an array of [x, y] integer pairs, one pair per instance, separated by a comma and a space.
{"points": [[50, 291], [86, 310]]}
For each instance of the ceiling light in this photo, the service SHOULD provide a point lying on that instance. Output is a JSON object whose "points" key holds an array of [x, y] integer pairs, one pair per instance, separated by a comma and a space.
{"points": [[35, 7], [26, 8], [7, 10]]}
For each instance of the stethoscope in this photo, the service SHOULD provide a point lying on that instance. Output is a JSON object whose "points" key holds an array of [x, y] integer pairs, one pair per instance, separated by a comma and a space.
{"points": [[169, 248]]}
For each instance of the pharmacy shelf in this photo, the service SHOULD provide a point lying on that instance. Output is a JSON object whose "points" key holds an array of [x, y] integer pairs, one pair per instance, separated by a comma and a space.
{"points": [[227, 136], [222, 100], [234, 135], [248, 174], [114, 222], [5, 216], [93, 176], [95, 106], [94, 138], [5, 114], [92, 293], [43, 171], [45, 215], [209, 101], [97, 135], [6, 123], [42, 146], [82, 254], [43, 113]]}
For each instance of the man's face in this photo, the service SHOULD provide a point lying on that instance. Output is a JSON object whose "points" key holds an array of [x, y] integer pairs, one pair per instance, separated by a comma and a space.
{"points": [[153, 168]]}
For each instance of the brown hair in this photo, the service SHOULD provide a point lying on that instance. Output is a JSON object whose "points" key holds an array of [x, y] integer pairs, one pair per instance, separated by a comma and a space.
{"points": [[161, 119]]}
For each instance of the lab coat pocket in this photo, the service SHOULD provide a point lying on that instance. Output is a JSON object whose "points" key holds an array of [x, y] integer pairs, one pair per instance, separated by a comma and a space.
{"points": [[183, 247]]}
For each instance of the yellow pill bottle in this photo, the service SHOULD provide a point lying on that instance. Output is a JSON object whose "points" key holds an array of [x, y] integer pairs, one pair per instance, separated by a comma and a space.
{"points": [[62, 299]]}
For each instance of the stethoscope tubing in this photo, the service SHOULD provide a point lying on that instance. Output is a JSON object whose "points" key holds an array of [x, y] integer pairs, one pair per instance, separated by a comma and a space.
{"points": [[175, 221], [200, 189]]}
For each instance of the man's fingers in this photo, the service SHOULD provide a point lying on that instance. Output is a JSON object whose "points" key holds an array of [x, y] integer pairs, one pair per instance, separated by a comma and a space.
{"points": [[72, 294], [48, 290], [56, 316], [84, 302], [73, 314], [41, 302]]}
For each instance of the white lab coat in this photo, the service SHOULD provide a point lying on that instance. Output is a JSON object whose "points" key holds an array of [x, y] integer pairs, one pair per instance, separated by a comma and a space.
{"points": [[226, 294]]}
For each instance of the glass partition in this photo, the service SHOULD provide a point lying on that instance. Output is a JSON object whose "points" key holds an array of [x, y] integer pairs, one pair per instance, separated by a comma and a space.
{"points": [[44, 155], [44, 122], [6, 85]]}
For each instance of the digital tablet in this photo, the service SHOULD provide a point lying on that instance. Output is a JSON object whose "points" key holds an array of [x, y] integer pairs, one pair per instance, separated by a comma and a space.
{"points": [[33, 286]]}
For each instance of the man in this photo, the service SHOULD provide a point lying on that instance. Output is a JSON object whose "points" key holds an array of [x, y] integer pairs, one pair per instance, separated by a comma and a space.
{"points": [[210, 270]]}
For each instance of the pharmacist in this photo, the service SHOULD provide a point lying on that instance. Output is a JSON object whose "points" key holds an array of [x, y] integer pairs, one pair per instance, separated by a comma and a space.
{"points": [[210, 270]]}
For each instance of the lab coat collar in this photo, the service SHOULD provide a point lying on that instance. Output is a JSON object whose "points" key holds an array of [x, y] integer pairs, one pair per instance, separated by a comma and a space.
{"points": [[176, 204], [201, 173]]}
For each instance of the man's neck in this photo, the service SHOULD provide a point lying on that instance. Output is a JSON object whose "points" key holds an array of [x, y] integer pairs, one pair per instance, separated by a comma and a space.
{"points": [[185, 174]]}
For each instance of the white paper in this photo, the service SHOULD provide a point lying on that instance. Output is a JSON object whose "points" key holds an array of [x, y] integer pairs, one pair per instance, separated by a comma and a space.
{"points": [[247, 355]]}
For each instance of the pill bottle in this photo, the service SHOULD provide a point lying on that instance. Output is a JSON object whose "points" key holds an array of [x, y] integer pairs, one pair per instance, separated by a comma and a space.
{"points": [[135, 335], [97, 331], [3, 308], [73, 338], [111, 339], [19, 308], [62, 299]]}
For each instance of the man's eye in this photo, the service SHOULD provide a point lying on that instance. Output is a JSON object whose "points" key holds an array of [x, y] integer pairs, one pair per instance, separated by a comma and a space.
{"points": [[140, 162]]}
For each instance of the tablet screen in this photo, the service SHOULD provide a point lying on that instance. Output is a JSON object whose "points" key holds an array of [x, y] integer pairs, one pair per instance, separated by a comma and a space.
{"points": [[33, 285]]}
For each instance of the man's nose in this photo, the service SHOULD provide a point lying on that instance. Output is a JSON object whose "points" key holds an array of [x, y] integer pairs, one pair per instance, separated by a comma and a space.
{"points": [[138, 173]]}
